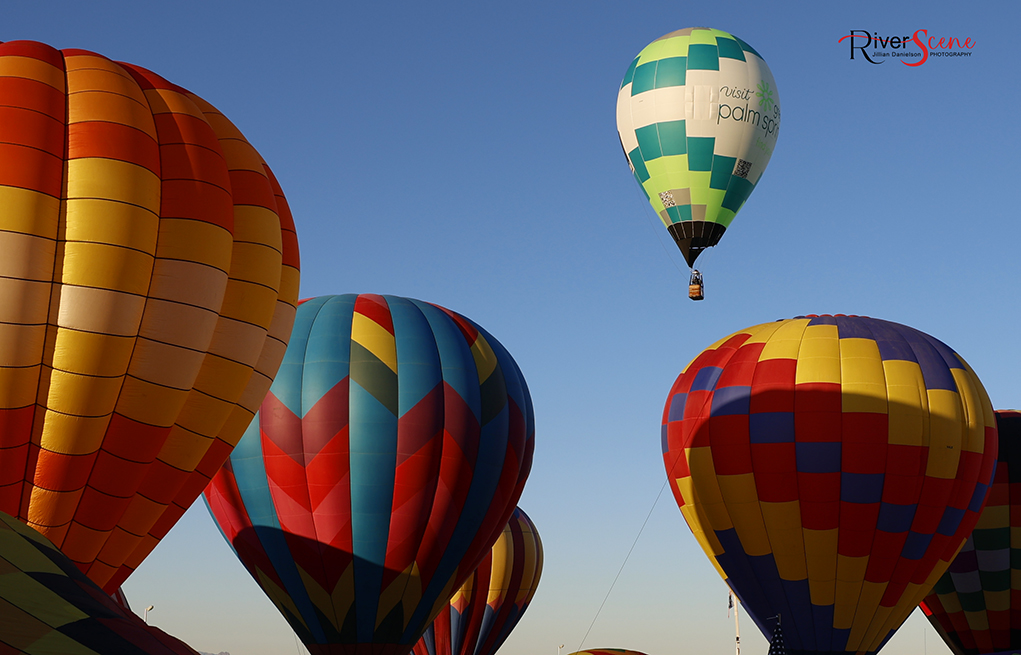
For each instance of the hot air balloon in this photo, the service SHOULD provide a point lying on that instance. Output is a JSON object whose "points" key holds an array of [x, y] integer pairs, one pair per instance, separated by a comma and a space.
{"points": [[383, 465], [608, 651], [49, 606], [972, 606], [148, 277], [698, 115], [830, 467], [482, 613]]}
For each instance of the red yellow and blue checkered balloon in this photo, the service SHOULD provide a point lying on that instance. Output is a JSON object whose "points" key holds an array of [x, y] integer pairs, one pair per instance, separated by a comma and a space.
{"points": [[830, 467]]}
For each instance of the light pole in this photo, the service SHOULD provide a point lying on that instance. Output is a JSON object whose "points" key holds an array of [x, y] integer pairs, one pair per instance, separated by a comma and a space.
{"points": [[145, 614], [558, 648], [737, 628]]}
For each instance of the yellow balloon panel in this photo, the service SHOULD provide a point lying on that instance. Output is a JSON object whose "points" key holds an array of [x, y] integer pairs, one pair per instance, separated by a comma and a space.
{"points": [[122, 224], [195, 241], [28, 212]]}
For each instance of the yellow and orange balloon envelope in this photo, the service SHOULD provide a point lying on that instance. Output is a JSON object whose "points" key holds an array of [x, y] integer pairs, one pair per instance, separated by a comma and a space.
{"points": [[148, 281]]}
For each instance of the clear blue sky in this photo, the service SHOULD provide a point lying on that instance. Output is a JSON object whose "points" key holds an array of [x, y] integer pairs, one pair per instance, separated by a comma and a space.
{"points": [[466, 154]]}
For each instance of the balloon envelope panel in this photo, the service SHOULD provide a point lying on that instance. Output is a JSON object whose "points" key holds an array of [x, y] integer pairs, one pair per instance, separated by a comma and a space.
{"points": [[976, 605], [484, 611], [698, 115], [831, 467], [48, 606], [148, 277], [384, 464]]}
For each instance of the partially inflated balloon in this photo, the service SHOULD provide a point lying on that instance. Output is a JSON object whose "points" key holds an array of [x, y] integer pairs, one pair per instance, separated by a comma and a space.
{"points": [[830, 467], [608, 651], [383, 465], [148, 276], [976, 605], [482, 613], [698, 115], [48, 606]]}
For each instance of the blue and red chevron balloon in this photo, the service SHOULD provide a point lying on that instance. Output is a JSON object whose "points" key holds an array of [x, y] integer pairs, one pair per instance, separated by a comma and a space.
{"points": [[830, 467], [485, 610], [381, 468]]}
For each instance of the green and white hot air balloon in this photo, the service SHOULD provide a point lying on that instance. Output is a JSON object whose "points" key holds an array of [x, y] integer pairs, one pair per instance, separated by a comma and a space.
{"points": [[698, 115]]}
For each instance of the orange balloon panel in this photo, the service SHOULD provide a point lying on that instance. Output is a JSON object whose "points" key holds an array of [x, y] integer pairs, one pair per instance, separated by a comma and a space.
{"points": [[148, 282]]}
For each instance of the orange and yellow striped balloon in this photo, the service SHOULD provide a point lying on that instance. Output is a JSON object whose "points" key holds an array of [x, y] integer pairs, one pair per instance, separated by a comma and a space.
{"points": [[148, 281]]}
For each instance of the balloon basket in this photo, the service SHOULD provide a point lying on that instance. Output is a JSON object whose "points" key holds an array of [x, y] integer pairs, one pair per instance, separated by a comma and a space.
{"points": [[695, 289]]}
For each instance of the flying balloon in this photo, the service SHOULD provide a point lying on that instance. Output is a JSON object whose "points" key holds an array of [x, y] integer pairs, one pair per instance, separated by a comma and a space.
{"points": [[49, 606], [482, 613], [830, 467], [148, 276], [972, 604], [698, 115], [382, 466]]}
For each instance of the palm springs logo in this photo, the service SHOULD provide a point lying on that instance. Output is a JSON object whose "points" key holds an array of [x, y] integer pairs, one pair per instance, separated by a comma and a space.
{"points": [[764, 94], [766, 115]]}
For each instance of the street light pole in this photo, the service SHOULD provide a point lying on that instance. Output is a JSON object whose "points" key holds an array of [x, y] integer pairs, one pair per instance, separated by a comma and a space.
{"points": [[737, 627], [145, 614], [558, 648]]}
